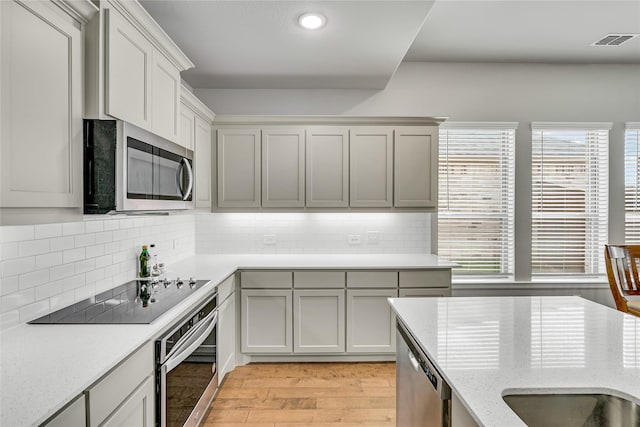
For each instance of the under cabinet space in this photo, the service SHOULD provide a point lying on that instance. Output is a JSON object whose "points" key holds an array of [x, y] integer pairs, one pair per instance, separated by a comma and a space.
{"points": [[372, 279], [425, 279], [318, 279], [266, 279]]}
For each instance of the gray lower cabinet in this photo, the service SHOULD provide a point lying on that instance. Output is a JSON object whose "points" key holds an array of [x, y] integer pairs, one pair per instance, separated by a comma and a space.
{"points": [[370, 321], [126, 396], [283, 167], [327, 167], [74, 415], [266, 321], [319, 321], [226, 332], [415, 167], [238, 153]]}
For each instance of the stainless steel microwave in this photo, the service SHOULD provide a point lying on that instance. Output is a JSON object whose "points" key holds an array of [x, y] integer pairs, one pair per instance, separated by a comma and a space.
{"points": [[129, 169]]}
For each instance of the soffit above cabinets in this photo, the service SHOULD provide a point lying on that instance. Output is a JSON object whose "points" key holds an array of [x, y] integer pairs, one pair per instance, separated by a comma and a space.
{"points": [[258, 44]]}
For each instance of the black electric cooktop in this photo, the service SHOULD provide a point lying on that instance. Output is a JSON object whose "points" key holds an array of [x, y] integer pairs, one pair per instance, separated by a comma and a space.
{"points": [[124, 304]]}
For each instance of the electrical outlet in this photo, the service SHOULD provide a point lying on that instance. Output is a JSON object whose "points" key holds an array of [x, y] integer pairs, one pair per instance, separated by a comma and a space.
{"points": [[269, 239], [353, 239], [177, 244], [373, 237]]}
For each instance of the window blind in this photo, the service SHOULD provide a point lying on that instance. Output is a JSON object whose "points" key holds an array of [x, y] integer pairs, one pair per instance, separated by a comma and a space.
{"points": [[569, 198], [632, 184], [476, 197]]}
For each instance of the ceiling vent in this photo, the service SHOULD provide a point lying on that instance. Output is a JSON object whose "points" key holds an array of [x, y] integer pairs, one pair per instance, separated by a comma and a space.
{"points": [[614, 39]]}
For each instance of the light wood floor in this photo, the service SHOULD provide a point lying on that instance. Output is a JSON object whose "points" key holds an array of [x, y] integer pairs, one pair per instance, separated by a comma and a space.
{"points": [[306, 394]]}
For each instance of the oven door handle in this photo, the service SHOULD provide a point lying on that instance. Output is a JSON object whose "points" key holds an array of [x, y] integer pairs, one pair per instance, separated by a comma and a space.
{"points": [[184, 350]]}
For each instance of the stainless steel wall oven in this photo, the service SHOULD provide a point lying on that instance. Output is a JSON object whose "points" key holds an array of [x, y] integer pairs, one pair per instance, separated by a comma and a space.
{"points": [[186, 372]]}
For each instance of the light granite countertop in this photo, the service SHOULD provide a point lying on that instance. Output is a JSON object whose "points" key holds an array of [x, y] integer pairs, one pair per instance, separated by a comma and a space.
{"points": [[488, 347], [44, 367]]}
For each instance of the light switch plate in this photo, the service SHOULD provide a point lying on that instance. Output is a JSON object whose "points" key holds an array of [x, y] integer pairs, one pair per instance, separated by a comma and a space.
{"points": [[353, 239], [373, 237], [269, 239]]}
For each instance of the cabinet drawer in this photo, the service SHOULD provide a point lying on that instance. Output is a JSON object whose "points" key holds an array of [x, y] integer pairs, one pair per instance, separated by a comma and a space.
{"points": [[318, 279], [105, 396], [225, 289], [372, 279], [425, 279], [424, 292], [266, 279]]}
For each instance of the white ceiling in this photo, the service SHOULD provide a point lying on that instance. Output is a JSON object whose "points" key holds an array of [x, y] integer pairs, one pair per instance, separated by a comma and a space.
{"points": [[257, 44]]}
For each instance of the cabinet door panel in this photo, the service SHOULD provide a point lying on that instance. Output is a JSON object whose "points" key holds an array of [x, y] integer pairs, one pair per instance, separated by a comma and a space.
{"points": [[416, 167], [327, 167], [226, 335], [238, 168], [283, 167], [425, 279], [370, 321], [187, 129], [41, 110], [266, 321], [74, 415], [371, 166], [137, 409], [128, 76], [165, 98], [318, 317], [202, 154]]}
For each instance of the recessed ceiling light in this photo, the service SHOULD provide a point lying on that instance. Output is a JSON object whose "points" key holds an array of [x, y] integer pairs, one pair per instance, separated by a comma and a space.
{"points": [[312, 21]]}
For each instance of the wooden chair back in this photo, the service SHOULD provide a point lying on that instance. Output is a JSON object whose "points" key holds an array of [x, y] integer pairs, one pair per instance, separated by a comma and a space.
{"points": [[622, 263]]}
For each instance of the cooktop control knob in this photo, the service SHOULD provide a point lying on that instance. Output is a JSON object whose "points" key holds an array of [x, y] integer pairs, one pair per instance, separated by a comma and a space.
{"points": [[179, 283], [192, 281]]}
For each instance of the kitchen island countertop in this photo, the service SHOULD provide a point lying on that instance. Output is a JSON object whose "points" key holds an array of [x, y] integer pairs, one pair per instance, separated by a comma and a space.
{"points": [[44, 367], [488, 347]]}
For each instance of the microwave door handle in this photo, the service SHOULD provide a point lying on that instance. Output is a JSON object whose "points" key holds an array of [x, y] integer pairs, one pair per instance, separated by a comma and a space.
{"points": [[187, 193], [179, 178], [194, 342]]}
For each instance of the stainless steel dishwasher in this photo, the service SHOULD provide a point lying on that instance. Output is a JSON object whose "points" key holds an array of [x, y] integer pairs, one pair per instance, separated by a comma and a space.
{"points": [[423, 399]]}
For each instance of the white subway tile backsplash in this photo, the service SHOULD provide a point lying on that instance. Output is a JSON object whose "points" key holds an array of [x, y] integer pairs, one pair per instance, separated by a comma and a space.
{"points": [[113, 224], [34, 247], [18, 299], [9, 251], [62, 243], [62, 271], [34, 310], [48, 290], [111, 248], [72, 228], [30, 280], [61, 300], [10, 319], [16, 233], [94, 251], [104, 237], [103, 261], [83, 240], [73, 255], [48, 260], [95, 275], [85, 266], [18, 266], [73, 282], [47, 231], [9, 285], [93, 226]]}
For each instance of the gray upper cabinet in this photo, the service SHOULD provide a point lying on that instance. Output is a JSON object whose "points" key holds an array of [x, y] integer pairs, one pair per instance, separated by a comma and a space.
{"points": [[283, 167], [238, 168], [371, 167], [416, 167], [41, 115], [327, 167]]}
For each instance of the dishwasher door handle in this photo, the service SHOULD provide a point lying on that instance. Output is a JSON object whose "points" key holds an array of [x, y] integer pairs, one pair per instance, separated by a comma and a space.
{"points": [[414, 362]]}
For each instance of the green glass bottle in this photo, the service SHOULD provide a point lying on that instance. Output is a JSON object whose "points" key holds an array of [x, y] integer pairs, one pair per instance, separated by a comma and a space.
{"points": [[145, 271]]}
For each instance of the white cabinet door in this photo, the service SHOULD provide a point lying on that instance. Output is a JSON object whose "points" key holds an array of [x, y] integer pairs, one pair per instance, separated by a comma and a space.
{"points": [[226, 331], [370, 321], [283, 167], [202, 155], [74, 415], [41, 107], [416, 166], [238, 168], [327, 167], [128, 74], [137, 410], [266, 321], [371, 167], [165, 98], [187, 135], [318, 317]]}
